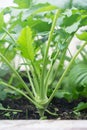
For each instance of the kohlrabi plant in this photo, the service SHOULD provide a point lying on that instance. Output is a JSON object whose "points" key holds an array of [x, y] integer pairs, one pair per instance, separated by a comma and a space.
{"points": [[42, 44]]}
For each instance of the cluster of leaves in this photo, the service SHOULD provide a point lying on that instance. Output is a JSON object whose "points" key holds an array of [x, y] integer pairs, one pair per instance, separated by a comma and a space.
{"points": [[75, 83]]}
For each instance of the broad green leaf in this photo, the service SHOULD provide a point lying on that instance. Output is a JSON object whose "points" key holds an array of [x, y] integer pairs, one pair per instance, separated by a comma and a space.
{"points": [[81, 4], [68, 21], [23, 3], [83, 20], [82, 36], [39, 8], [81, 106], [25, 42], [59, 3], [75, 84], [38, 25], [73, 28]]}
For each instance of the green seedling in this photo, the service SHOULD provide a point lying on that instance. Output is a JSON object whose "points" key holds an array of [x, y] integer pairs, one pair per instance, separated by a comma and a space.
{"points": [[37, 70]]}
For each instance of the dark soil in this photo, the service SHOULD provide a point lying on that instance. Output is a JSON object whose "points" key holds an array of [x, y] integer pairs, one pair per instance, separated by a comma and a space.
{"points": [[60, 106]]}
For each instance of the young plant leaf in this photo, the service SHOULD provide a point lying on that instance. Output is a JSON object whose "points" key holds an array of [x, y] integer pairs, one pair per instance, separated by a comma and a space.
{"points": [[81, 106], [25, 42], [71, 29], [68, 21], [38, 25], [82, 36], [23, 3], [40, 8], [1, 107]]}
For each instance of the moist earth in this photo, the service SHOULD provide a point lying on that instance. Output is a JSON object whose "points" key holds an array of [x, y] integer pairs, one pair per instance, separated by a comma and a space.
{"points": [[61, 107]]}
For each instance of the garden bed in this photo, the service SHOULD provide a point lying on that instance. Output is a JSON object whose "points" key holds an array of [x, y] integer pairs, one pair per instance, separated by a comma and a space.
{"points": [[60, 106]]}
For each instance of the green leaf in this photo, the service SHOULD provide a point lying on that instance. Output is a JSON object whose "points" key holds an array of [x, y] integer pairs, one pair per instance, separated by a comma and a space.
{"points": [[82, 36], [77, 79], [39, 8], [83, 20], [1, 107], [3, 93], [3, 71], [23, 3], [1, 21], [8, 51], [59, 3], [73, 28], [25, 42], [81, 106], [81, 4], [68, 21], [38, 25], [62, 94]]}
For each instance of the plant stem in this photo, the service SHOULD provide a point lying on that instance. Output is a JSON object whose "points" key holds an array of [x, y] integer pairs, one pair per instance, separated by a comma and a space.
{"points": [[70, 4], [18, 76], [30, 80], [70, 52], [49, 72], [9, 35], [62, 59], [51, 113], [41, 114], [65, 72], [42, 87], [21, 92], [36, 74], [35, 79], [59, 65], [12, 110], [11, 79]]}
